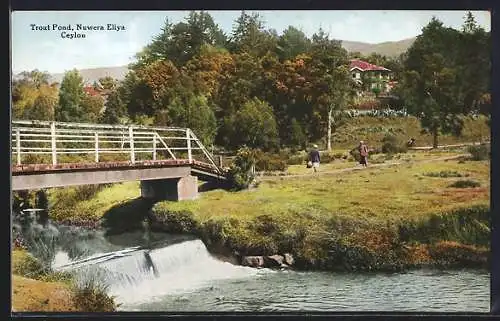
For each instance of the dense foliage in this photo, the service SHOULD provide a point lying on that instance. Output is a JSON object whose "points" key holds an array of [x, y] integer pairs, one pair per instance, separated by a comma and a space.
{"points": [[266, 90]]}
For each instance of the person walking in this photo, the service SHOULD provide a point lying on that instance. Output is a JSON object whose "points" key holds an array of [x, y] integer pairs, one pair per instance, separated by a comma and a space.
{"points": [[363, 154], [314, 158]]}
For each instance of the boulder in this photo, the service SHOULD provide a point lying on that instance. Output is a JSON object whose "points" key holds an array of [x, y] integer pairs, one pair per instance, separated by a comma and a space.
{"points": [[273, 261], [288, 259], [253, 261]]}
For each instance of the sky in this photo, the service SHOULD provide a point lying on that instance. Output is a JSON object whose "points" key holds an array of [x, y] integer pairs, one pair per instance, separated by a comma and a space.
{"points": [[49, 51]]}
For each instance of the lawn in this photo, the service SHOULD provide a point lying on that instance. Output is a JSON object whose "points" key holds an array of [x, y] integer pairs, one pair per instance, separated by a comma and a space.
{"points": [[382, 193]]}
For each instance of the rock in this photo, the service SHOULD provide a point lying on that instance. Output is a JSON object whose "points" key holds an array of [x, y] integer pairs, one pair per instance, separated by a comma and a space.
{"points": [[289, 259], [273, 261], [253, 261]]}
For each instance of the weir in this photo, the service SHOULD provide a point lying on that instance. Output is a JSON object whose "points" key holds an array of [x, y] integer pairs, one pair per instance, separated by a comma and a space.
{"points": [[134, 277]]}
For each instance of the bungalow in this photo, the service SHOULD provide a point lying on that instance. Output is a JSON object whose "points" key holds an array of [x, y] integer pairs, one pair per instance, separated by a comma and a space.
{"points": [[362, 70]]}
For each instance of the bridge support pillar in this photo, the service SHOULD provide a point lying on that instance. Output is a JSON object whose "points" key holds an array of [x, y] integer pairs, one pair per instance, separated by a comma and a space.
{"points": [[171, 189]]}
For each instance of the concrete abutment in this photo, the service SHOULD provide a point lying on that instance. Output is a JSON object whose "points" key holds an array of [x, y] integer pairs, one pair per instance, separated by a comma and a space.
{"points": [[171, 189]]}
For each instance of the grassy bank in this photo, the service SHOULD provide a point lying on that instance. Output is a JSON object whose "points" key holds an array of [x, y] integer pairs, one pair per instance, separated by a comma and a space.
{"points": [[373, 129], [38, 289], [382, 218], [376, 218]]}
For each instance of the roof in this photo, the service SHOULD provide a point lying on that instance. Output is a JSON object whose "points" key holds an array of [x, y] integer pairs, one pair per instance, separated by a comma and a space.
{"points": [[365, 66], [90, 90]]}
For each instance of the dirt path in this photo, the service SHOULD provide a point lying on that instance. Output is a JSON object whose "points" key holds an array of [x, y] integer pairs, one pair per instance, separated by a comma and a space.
{"points": [[447, 146], [358, 168]]}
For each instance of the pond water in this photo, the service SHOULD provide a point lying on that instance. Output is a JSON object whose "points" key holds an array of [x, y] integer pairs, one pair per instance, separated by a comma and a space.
{"points": [[179, 274]]}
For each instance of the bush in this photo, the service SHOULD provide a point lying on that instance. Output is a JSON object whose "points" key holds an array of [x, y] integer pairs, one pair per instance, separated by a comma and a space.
{"points": [[296, 160], [240, 171], [444, 174], [91, 296], [25, 264], [174, 222], [86, 192], [391, 145], [465, 225], [465, 184], [270, 162], [479, 153]]}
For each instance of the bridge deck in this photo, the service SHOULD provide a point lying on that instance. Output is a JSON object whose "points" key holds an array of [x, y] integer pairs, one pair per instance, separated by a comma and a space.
{"points": [[27, 169]]}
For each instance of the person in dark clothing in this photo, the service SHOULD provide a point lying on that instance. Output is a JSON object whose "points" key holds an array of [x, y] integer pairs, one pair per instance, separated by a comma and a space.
{"points": [[363, 154], [314, 158], [411, 142]]}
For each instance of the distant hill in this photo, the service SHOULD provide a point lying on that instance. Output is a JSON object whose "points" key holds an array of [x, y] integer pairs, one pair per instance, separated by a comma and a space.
{"points": [[91, 75], [390, 49]]}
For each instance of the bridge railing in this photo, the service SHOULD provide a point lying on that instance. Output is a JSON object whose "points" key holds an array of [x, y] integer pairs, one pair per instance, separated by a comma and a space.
{"points": [[58, 142]]}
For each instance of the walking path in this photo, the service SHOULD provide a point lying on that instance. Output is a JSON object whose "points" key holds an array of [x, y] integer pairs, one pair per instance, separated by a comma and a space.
{"points": [[351, 169]]}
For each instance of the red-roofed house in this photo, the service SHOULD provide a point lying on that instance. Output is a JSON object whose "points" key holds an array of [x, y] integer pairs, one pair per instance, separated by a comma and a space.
{"points": [[91, 91], [361, 69]]}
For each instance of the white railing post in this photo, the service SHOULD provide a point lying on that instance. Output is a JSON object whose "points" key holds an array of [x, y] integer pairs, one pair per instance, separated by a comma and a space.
{"points": [[18, 146], [96, 145], [188, 138], [154, 146], [131, 141], [53, 142]]}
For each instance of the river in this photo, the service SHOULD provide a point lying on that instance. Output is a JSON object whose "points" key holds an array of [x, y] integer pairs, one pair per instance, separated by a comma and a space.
{"points": [[178, 274]]}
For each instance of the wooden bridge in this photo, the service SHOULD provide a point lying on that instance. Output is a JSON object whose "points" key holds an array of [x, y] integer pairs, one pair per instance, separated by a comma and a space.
{"points": [[167, 160]]}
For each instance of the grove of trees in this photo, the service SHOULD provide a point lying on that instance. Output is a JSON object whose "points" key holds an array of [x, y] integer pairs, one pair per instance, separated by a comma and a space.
{"points": [[262, 89]]}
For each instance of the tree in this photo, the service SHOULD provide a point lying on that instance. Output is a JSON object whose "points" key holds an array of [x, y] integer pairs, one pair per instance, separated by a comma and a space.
{"points": [[180, 42], [45, 104], [333, 85], [474, 64], [254, 125], [189, 110], [33, 97], [249, 36], [208, 70], [71, 95], [429, 82], [92, 107], [108, 83], [35, 77], [292, 43], [115, 111]]}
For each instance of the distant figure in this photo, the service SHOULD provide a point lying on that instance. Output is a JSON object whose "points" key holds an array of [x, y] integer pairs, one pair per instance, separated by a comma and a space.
{"points": [[363, 154], [411, 142], [314, 158]]}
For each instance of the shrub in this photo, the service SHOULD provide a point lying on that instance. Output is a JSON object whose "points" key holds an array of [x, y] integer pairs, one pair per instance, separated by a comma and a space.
{"points": [[91, 296], [465, 225], [175, 222], [297, 160], [479, 153], [444, 174], [270, 162], [465, 184], [86, 192], [25, 264], [391, 145], [240, 171]]}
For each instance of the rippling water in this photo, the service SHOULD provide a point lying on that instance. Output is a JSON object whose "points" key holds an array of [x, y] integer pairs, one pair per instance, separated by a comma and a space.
{"points": [[190, 279], [451, 291]]}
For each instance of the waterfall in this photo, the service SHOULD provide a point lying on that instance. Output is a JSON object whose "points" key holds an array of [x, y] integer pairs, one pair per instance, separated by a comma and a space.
{"points": [[135, 275]]}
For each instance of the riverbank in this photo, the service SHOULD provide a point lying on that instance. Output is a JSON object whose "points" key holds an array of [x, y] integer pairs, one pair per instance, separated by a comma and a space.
{"points": [[36, 288], [384, 218]]}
